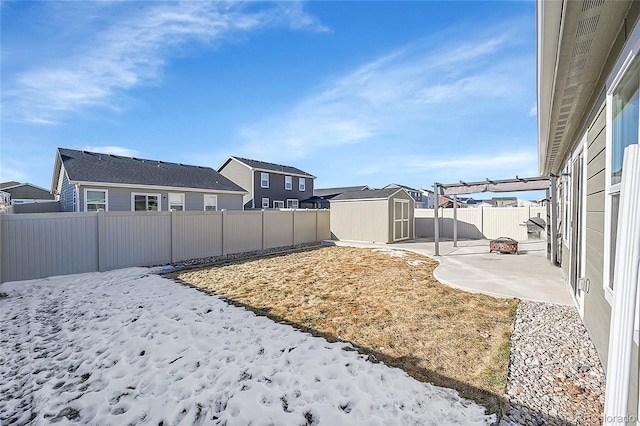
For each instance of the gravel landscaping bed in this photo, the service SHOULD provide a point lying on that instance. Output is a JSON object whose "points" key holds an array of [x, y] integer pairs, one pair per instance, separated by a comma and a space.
{"points": [[555, 376]]}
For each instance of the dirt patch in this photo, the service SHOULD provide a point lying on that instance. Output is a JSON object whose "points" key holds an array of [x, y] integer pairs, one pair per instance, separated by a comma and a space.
{"points": [[386, 303]]}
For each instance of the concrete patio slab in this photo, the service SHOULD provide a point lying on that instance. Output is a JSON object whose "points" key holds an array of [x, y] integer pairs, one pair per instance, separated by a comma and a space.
{"points": [[470, 267]]}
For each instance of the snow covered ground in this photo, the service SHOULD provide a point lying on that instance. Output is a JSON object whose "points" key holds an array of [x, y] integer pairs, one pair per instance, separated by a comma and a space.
{"points": [[130, 347]]}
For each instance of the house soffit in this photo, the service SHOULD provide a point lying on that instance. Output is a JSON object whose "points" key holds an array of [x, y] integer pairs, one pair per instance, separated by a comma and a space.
{"points": [[589, 29]]}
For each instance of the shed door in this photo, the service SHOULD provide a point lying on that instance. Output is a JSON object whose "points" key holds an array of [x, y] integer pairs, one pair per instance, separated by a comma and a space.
{"points": [[400, 219]]}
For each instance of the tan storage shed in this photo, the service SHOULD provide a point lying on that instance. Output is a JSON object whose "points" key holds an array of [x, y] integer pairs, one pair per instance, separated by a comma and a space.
{"points": [[375, 215]]}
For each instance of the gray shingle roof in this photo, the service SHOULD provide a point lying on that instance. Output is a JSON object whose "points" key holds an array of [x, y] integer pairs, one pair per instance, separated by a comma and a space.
{"points": [[84, 166], [272, 167], [322, 192], [366, 194], [397, 185]]}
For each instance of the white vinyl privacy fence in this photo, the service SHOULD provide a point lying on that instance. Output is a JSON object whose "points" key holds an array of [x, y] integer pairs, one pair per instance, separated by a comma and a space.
{"points": [[41, 245], [481, 222]]}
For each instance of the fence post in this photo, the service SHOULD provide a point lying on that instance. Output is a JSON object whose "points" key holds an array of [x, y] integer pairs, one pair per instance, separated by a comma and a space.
{"points": [[174, 237], [293, 227], [482, 221], [102, 241], [224, 211], [317, 225], [262, 229]]}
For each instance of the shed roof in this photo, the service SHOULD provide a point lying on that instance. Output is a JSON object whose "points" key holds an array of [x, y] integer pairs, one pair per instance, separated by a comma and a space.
{"points": [[367, 194], [271, 167], [85, 166]]}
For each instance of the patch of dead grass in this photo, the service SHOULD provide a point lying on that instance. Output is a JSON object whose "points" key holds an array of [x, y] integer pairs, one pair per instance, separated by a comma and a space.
{"points": [[397, 312]]}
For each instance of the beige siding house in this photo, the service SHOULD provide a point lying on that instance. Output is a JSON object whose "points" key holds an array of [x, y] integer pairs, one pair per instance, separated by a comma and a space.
{"points": [[588, 112], [374, 215]]}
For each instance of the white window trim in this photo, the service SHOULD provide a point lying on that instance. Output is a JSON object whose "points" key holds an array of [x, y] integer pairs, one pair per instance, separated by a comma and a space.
{"points": [[293, 199], [106, 197], [402, 201], [265, 205], [184, 199], [204, 197], [262, 180], [610, 189], [302, 184], [151, 194], [281, 204], [289, 180]]}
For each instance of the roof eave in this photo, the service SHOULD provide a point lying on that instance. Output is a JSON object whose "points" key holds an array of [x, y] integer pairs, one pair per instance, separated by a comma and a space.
{"points": [[156, 187], [550, 18], [259, 169]]}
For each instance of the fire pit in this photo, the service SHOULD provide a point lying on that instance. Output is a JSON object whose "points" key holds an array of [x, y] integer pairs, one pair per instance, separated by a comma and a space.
{"points": [[503, 245]]}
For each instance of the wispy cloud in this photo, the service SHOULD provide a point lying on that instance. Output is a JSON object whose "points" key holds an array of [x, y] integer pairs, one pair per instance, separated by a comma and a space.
{"points": [[132, 52], [451, 168], [115, 150], [412, 90]]}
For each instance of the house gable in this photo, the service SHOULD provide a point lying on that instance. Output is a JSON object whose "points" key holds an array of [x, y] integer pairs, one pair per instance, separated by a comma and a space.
{"points": [[284, 182]]}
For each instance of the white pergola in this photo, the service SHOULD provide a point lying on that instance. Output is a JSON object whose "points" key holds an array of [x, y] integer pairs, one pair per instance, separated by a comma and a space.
{"points": [[506, 185]]}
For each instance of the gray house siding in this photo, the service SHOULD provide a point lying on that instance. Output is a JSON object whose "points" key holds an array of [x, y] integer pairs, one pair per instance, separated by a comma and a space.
{"points": [[597, 311], [194, 201], [67, 195], [276, 191], [229, 202], [119, 199], [586, 110], [240, 175], [28, 192]]}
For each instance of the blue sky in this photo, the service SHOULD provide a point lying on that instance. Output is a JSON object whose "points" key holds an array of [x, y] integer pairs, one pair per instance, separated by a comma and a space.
{"points": [[353, 92]]}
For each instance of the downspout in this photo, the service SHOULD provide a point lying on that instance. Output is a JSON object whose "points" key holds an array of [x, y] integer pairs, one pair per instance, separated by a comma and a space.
{"points": [[554, 222], [77, 198]]}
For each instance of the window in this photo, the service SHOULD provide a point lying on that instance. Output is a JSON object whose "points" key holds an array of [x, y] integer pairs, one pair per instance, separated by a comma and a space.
{"points": [[625, 119], [145, 202], [292, 203], [278, 204], [95, 199], [301, 184], [264, 180], [265, 203], [288, 183], [176, 202], [624, 108], [210, 203]]}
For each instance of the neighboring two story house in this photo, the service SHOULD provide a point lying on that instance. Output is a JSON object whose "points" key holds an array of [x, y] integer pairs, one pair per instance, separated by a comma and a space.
{"points": [[268, 185], [89, 181]]}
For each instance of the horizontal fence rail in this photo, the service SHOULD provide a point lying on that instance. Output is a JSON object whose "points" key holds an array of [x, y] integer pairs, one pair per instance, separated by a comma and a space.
{"points": [[46, 244], [480, 222]]}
